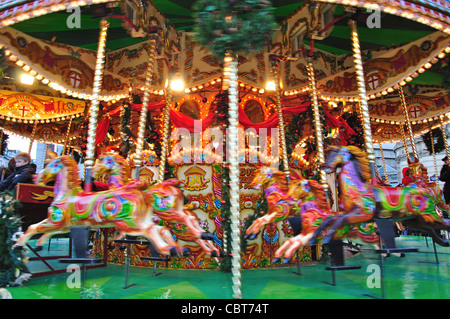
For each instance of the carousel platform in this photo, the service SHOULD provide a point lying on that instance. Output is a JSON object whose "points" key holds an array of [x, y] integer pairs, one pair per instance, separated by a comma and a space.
{"points": [[418, 275]]}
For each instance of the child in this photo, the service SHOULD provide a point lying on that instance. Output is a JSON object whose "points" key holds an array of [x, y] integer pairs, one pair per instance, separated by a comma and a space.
{"points": [[23, 173]]}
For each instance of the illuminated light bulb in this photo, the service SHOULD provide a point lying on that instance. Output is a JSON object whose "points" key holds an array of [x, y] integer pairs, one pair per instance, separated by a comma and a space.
{"points": [[270, 86], [26, 79]]}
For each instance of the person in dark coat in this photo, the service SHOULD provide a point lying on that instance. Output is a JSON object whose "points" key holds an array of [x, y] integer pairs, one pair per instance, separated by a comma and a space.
{"points": [[6, 171], [23, 172], [444, 176]]}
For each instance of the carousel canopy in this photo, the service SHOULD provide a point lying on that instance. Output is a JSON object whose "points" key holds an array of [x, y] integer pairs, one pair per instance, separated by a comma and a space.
{"points": [[58, 48]]}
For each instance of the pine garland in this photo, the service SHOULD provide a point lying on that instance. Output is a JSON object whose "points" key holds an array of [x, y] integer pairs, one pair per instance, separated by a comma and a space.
{"points": [[233, 25], [11, 261], [354, 121], [438, 138], [125, 130]]}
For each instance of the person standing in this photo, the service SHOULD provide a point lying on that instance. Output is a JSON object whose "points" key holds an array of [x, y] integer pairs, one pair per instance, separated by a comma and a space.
{"points": [[444, 176]]}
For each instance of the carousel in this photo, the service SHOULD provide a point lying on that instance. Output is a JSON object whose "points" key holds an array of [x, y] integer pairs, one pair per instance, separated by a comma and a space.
{"points": [[225, 144]]}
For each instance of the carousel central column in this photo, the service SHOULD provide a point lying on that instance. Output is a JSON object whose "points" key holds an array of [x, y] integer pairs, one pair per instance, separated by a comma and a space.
{"points": [[144, 110], [93, 110], [234, 177], [363, 97]]}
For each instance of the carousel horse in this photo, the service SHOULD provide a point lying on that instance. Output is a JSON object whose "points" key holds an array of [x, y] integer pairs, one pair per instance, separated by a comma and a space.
{"points": [[304, 198], [419, 175], [127, 209], [275, 187], [360, 201], [314, 209], [183, 222]]}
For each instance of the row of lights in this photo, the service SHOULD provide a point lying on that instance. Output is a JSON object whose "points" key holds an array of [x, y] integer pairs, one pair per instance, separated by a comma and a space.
{"points": [[418, 134], [56, 86], [422, 121], [414, 73], [43, 121], [270, 86], [392, 7]]}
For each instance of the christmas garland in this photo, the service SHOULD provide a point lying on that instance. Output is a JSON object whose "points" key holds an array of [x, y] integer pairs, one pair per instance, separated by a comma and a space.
{"points": [[12, 265], [125, 129], [437, 137], [354, 121], [233, 25]]}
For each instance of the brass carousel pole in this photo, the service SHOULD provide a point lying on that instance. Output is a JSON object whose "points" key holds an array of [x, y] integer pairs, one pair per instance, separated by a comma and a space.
{"points": [[45, 154], [384, 164], [93, 110], [282, 135], [444, 135], [405, 143], [166, 129], [144, 110], [33, 134], [408, 123], [363, 97], [67, 136], [317, 124], [234, 175], [434, 153]]}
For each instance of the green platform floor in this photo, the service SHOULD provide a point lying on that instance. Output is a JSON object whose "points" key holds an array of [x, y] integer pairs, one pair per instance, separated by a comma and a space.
{"points": [[415, 276]]}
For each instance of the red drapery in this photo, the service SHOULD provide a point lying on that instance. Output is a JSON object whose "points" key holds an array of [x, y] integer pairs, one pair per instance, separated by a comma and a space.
{"points": [[183, 121]]}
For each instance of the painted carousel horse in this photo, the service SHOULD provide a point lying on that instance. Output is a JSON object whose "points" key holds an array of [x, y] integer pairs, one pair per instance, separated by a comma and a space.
{"points": [[419, 175], [275, 187], [314, 209], [183, 222], [304, 198], [360, 201], [127, 209]]}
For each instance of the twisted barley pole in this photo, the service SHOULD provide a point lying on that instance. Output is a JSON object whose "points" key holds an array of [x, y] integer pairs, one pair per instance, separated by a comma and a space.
{"points": [[362, 96], [93, 110], [144, 110], [384, 164], [282, 135], [408, 123], [165, 144], [234, 179], [317, 125]]}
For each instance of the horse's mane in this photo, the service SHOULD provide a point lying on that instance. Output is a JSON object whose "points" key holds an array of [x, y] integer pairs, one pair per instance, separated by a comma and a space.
{"points": [[319, 194], [72, 170], [361, 157], [124, 166]]}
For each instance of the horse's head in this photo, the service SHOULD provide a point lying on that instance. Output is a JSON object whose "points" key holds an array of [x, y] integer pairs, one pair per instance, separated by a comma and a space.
{"points": [[57, 166], [309, 190], [335, 157], [417, 170], [110, 164], [299, 189], [263, 177]]}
